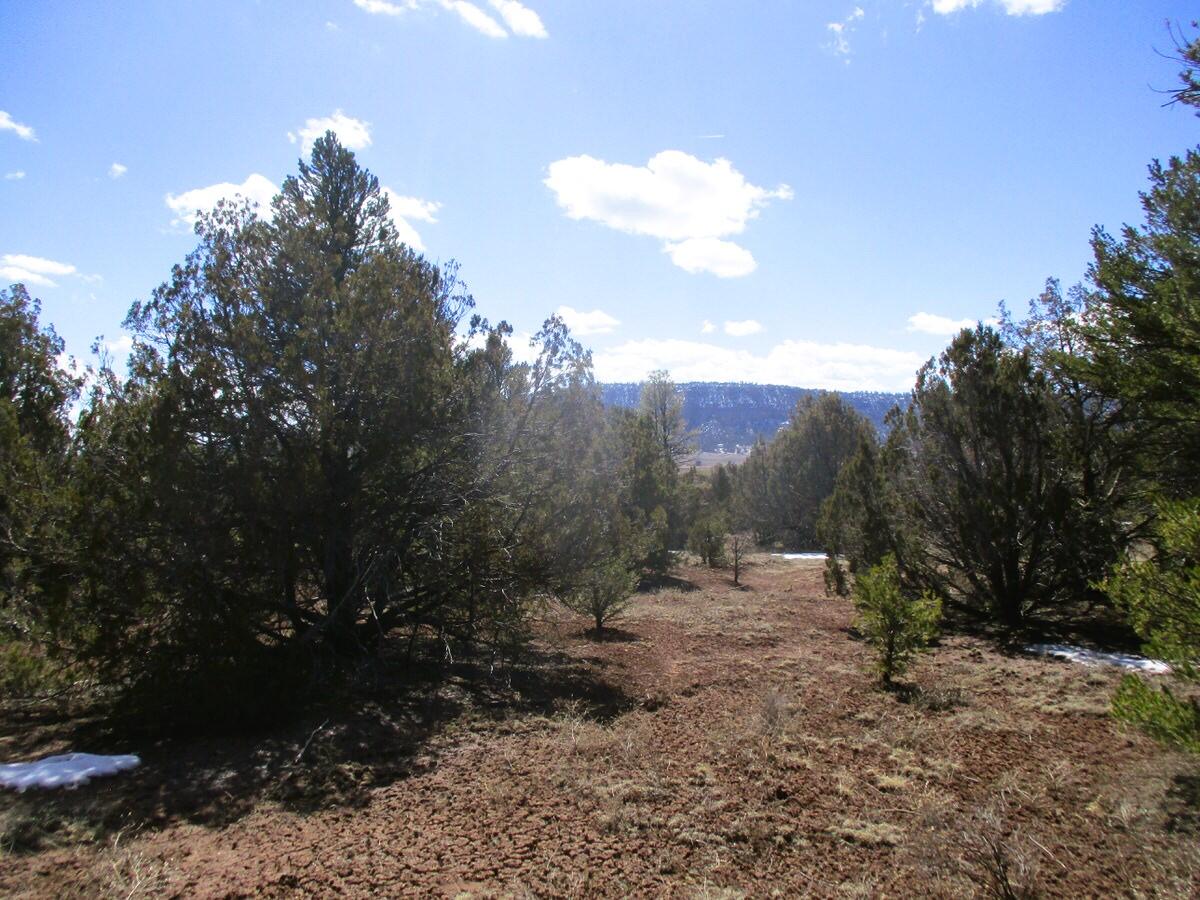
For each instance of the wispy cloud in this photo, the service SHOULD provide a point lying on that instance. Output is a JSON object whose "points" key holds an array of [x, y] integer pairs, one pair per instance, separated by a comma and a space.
{"points": [[24, 132], [685, 202], [14, 176], [354, 134], [1012, 7], [116, 170], [520, 19], [839, 41], [36, 270], [707, 327], [384, 8]]}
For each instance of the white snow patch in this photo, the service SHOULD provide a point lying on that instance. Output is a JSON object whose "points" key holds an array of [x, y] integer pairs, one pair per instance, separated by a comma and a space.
{"points": [[69, 770], [1101, 658], [799, 555]]}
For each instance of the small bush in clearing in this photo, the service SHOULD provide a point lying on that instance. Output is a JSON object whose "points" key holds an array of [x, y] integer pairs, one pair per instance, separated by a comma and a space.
{"points": [[898, 626]]}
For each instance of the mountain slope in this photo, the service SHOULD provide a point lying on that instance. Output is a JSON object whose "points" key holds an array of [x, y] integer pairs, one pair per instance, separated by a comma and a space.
{"points": [[726, 416]]}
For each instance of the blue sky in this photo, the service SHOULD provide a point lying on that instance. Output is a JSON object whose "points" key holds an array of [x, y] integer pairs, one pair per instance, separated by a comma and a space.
{"points": [[809, 193]]}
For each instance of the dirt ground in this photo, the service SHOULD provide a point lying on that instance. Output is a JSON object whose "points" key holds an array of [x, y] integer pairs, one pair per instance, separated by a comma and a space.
{"points": [[722, 742]]}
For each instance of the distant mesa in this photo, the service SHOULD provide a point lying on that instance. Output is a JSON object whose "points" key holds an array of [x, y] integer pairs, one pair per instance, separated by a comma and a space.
{"points": [[727, 417]]}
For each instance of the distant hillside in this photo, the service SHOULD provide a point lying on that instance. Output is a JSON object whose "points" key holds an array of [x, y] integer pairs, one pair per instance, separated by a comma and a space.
{"points": [[728, 416]]}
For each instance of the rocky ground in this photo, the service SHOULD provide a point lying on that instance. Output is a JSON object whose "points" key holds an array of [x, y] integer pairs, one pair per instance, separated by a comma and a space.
{"points": [[722, 742]]}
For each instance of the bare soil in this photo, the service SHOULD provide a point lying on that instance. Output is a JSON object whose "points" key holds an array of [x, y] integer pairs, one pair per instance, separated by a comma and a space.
{"points": [[722, 742]]}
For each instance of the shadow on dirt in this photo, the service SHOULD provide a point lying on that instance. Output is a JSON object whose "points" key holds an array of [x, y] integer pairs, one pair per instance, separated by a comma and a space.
{"points": [[1183, 804], [651, 583], [610, 635], [360, 735]]}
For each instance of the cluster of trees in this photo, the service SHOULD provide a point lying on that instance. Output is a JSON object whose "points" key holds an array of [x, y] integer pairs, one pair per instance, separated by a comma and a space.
{"points": [[316, 447], [1057, 459], [779, 490]]}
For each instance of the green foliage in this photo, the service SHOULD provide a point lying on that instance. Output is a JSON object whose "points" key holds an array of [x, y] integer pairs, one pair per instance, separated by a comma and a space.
{"points": [[1168, 718], [1141, 327], [707, 538], [897, 625], [855, 523], [780, 488], [1161, 598], [604, 591], [984, 501], [655, 440], [307, 457], [35, 493]]}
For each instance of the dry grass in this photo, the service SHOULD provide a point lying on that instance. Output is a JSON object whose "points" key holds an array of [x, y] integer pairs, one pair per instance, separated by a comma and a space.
{"points": [[752, 755]]}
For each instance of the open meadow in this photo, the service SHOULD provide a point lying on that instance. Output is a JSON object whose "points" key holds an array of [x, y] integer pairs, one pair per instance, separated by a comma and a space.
{"points": [[719, 742]]}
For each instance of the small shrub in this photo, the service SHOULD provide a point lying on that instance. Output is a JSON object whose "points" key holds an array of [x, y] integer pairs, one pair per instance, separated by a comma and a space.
{"points": [[1161, 597], [604, 592], [898, 626], [1003, 865], [1159, 712]]}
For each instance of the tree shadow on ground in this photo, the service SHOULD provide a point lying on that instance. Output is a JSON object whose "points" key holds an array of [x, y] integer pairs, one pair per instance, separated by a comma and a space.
{"points": [[363, 734], [651, 583], [1077, 624], [1183, 804], [610, 635]]}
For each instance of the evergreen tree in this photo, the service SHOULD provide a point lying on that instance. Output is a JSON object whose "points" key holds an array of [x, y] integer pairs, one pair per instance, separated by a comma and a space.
{"points": [[1161, 597], [983, 496], [35, 460]]}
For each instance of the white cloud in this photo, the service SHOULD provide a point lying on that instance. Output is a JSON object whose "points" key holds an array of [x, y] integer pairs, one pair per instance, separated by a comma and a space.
{"points": [[524, 348], [475, 17], [24, 132], [724, 259], [187, 206], [14, 176], [675, 197], [840, 366], [520, 19], [352, 133], [15, 274], [1012, 7], [1032, 7], [405, 208], [707, 327], [840, 32], [743, 328], [584, 323], [116, 170], [383, 8], [18, 267], [120, 347], [942, 326]]}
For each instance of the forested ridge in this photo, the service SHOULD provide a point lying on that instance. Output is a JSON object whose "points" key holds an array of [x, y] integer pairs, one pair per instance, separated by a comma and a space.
{"points": [[726, 416]]}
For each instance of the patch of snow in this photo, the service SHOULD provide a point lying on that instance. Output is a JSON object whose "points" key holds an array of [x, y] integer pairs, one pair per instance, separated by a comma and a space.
{"points": [[799, 555], [1101, 658], [68, 770]]}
